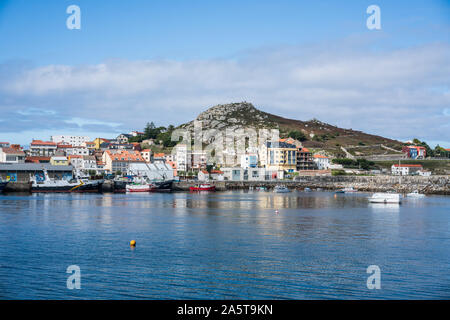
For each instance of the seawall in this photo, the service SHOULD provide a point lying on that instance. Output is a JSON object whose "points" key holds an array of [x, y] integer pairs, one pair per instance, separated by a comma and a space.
{"points": [[404, 184]]}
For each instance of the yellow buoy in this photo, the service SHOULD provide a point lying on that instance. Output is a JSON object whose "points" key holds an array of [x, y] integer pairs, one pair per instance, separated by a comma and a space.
{"points": [[133, 243]]}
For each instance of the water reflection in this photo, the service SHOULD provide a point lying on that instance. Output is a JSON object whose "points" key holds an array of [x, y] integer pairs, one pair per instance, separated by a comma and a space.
{"points": [[223, 245]]}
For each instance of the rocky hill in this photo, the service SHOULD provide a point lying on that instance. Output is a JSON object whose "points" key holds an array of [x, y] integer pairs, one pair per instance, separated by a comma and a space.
{"points": [[316, 134]]}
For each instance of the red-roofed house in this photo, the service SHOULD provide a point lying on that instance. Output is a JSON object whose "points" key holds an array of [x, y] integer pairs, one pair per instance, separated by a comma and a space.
{"points": [[322, 162], [415, 152], [119, 160], [37, 159], [406, 169], [147, 155], [12, 155], [41, 148], [203, 175]]}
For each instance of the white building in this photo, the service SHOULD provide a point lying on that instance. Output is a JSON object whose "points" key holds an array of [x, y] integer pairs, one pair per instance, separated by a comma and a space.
{"points": [[322, 162], [12, 155], [39, 148], [250, 174], [154, 171], [182, 157], [424, 173], [203, 175], [147, 155], [77, 151], [249, 160], [406, 169], [68, 139]]}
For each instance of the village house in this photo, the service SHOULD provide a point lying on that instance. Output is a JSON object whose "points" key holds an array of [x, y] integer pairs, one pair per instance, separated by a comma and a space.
{"points": [[59, 161], [322, 162], [80, 151], [216, 175], [203, 175], [405, 169], [13, 154], [415, 152], [37, 159], [120, 160], [68, 139], [159, 157], [42, 148], [147, 155], [123, 138]]}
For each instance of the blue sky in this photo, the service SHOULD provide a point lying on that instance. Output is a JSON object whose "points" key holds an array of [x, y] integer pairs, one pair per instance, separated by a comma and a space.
{"points": [[166, 61]]}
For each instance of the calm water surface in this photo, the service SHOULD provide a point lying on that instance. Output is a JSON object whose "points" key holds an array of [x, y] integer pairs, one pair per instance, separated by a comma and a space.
{"points": [[229, 245]]}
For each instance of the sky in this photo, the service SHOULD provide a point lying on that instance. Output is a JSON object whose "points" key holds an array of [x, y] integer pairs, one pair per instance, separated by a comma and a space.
{"points": [[138, 61]]}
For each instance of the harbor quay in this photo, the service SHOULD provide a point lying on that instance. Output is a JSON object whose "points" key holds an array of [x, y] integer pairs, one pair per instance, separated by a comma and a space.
{"points": [[427, 185]]}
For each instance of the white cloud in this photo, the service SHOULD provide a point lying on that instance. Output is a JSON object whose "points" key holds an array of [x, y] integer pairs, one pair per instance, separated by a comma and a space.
{"points": [[395, 93]]}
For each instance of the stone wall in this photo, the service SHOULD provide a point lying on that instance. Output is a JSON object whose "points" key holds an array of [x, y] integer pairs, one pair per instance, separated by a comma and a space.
{"points": [[404, 184]]}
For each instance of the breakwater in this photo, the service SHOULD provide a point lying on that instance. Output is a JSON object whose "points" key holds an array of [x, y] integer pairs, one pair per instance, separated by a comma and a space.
{"points": [[403, 184]]}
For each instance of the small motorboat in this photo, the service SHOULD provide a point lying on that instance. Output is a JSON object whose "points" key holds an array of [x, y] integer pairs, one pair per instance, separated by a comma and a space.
{"points": [[346, 190], [415, 194], [281, 189], [203, 187], [385, 198], [307, 189]]}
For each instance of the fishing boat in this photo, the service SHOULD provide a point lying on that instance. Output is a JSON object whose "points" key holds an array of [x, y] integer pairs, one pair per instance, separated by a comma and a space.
{"points": [[140, 184], [415, 194], [281, 189], [2, 184], [203, 187], [120, 185], [73, 185], [139, 187], [162, 186], [385, 198]]}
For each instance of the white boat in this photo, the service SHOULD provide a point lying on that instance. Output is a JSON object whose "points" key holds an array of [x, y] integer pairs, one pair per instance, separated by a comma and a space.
{"points": [[415, 194], [281, 189], [47, 184], [139, 184], [385, 198]]}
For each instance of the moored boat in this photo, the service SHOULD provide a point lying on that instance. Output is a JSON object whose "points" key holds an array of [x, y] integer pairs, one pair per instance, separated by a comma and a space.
{"points": [[163, 186], [346, 190], [62, 185], [138, 187], [281, 189], [203, 187], [415, 194], [385, 198]]}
